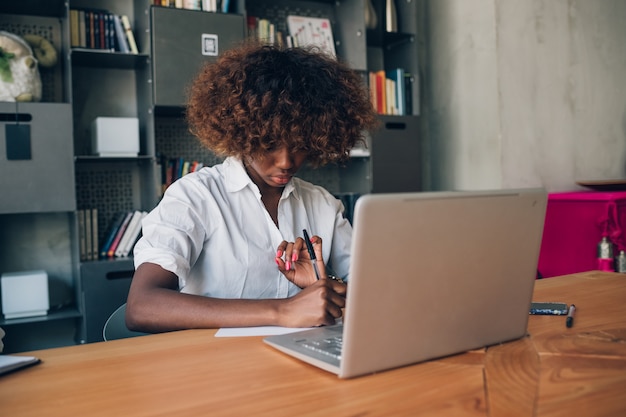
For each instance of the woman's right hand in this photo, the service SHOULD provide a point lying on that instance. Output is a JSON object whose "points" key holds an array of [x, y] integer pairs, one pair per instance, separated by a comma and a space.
{"points": [[319, 304]]}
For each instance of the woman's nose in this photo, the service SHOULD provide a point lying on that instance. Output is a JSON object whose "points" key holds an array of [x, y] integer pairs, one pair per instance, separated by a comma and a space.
{"points": [[283, 158]]}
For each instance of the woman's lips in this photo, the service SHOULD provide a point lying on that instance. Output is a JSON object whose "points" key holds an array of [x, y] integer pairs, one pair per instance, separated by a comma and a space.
{"points": [[281, 179]]}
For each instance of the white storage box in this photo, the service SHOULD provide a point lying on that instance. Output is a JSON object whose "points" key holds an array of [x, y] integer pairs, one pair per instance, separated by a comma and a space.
{"points": [[25, 294], [115, 136]]}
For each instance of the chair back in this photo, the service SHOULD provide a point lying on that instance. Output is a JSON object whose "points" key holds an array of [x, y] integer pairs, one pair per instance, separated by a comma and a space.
{"points": [[115, 326]]}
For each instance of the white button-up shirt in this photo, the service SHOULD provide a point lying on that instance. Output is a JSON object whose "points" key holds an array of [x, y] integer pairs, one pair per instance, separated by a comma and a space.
{"points": [[212, 230]]}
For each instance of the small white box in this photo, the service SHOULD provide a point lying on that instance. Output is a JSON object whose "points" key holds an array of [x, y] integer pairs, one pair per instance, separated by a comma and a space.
{"points": [[115, 136], [24, 294]]}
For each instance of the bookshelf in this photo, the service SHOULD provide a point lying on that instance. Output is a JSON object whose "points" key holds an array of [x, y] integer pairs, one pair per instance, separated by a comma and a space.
{"points": [[392, 160], [39, 223], [37, 208]]}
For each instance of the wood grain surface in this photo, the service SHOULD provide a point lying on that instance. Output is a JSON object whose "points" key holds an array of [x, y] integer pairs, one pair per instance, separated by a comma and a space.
{"points": [[554, 371]]}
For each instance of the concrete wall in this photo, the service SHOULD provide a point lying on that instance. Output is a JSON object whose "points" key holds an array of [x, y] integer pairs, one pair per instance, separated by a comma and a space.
{"points": [[523, 93]]}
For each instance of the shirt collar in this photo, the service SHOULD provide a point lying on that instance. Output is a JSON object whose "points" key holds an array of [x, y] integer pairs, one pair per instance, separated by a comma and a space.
{"points": [[237, 178]]}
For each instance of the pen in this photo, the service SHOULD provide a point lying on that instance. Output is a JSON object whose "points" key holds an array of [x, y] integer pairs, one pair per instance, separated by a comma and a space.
{"points": [[309, 247], [570, 316]]}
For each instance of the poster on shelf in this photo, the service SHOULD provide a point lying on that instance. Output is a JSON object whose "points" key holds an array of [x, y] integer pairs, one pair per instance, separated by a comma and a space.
{"points": [[312, 31]]}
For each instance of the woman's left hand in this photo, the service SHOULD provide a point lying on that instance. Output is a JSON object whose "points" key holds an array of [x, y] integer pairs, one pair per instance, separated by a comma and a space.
{"points": [[294, 262]]}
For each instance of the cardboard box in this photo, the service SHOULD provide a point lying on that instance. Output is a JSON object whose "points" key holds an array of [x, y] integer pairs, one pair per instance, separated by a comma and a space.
{"points": [[25, 294], [115, 136]]}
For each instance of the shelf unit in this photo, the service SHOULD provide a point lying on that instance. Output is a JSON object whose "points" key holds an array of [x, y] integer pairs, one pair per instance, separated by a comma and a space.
{"points": [[39, 225], [37, 221]]}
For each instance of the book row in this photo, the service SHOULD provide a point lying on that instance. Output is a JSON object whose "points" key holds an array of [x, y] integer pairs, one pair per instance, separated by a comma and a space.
{"points": [[122, 235], [206, 5], [303, 31], [391, 92], [101, 29], [175, 168], [88, 234]]}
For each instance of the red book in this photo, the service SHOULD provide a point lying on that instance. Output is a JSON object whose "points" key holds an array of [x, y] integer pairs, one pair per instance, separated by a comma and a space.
{"points": [[92, 31], [103, 32], [381, 102], [120, 233]]}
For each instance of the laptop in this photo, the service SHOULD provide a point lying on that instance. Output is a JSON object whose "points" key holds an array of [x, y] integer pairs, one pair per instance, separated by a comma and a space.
{"points": [[432, 274]]}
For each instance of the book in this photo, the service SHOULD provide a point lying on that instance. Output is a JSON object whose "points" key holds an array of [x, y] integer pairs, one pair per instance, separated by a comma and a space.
{"points": [[82, 40], [408, 93], [88, 233], [120, 35], [390, 94], [195, 165], [10, 363], [178, 173], [93, 249], [271, 35], [263, 30], [381, 102], [397, 75], [95, 29], [206, 5], [102, 30], [129, 34], [82, 235], [280, 38], [110, 30], [372, 88], [90, 41], [130, 229], [185, 168], [195, 5], [134, 235], [74, 28], [111, 233], [252, 22], [119, 234]]}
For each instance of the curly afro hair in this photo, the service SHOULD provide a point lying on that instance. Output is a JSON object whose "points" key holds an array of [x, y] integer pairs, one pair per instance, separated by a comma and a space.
{"points": [[258, 98]]}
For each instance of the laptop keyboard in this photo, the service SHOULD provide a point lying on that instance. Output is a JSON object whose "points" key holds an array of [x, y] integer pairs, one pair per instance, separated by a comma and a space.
{"points": [[330, 346]]}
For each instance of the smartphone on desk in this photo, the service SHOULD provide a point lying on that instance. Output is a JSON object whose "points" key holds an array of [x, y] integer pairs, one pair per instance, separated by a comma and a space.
{"points": [[548, 308]]}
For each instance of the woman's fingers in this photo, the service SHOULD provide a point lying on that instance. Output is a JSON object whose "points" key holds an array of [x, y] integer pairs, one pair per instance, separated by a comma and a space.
{"points": [[288, 253]]}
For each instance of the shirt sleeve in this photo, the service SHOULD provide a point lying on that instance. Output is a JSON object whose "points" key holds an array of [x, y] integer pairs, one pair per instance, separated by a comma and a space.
{"points": [[172, 233]]}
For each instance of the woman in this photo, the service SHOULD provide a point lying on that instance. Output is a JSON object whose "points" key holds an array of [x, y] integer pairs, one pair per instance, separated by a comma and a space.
{"points": [[224, 247]]}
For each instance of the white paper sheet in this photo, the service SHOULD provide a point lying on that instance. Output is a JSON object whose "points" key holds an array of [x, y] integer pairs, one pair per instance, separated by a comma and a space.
{"points": [[256, 331]]}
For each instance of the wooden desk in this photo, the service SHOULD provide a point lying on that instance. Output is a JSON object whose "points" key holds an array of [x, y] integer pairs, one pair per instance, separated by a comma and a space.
{"points": [[580, 371]]}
